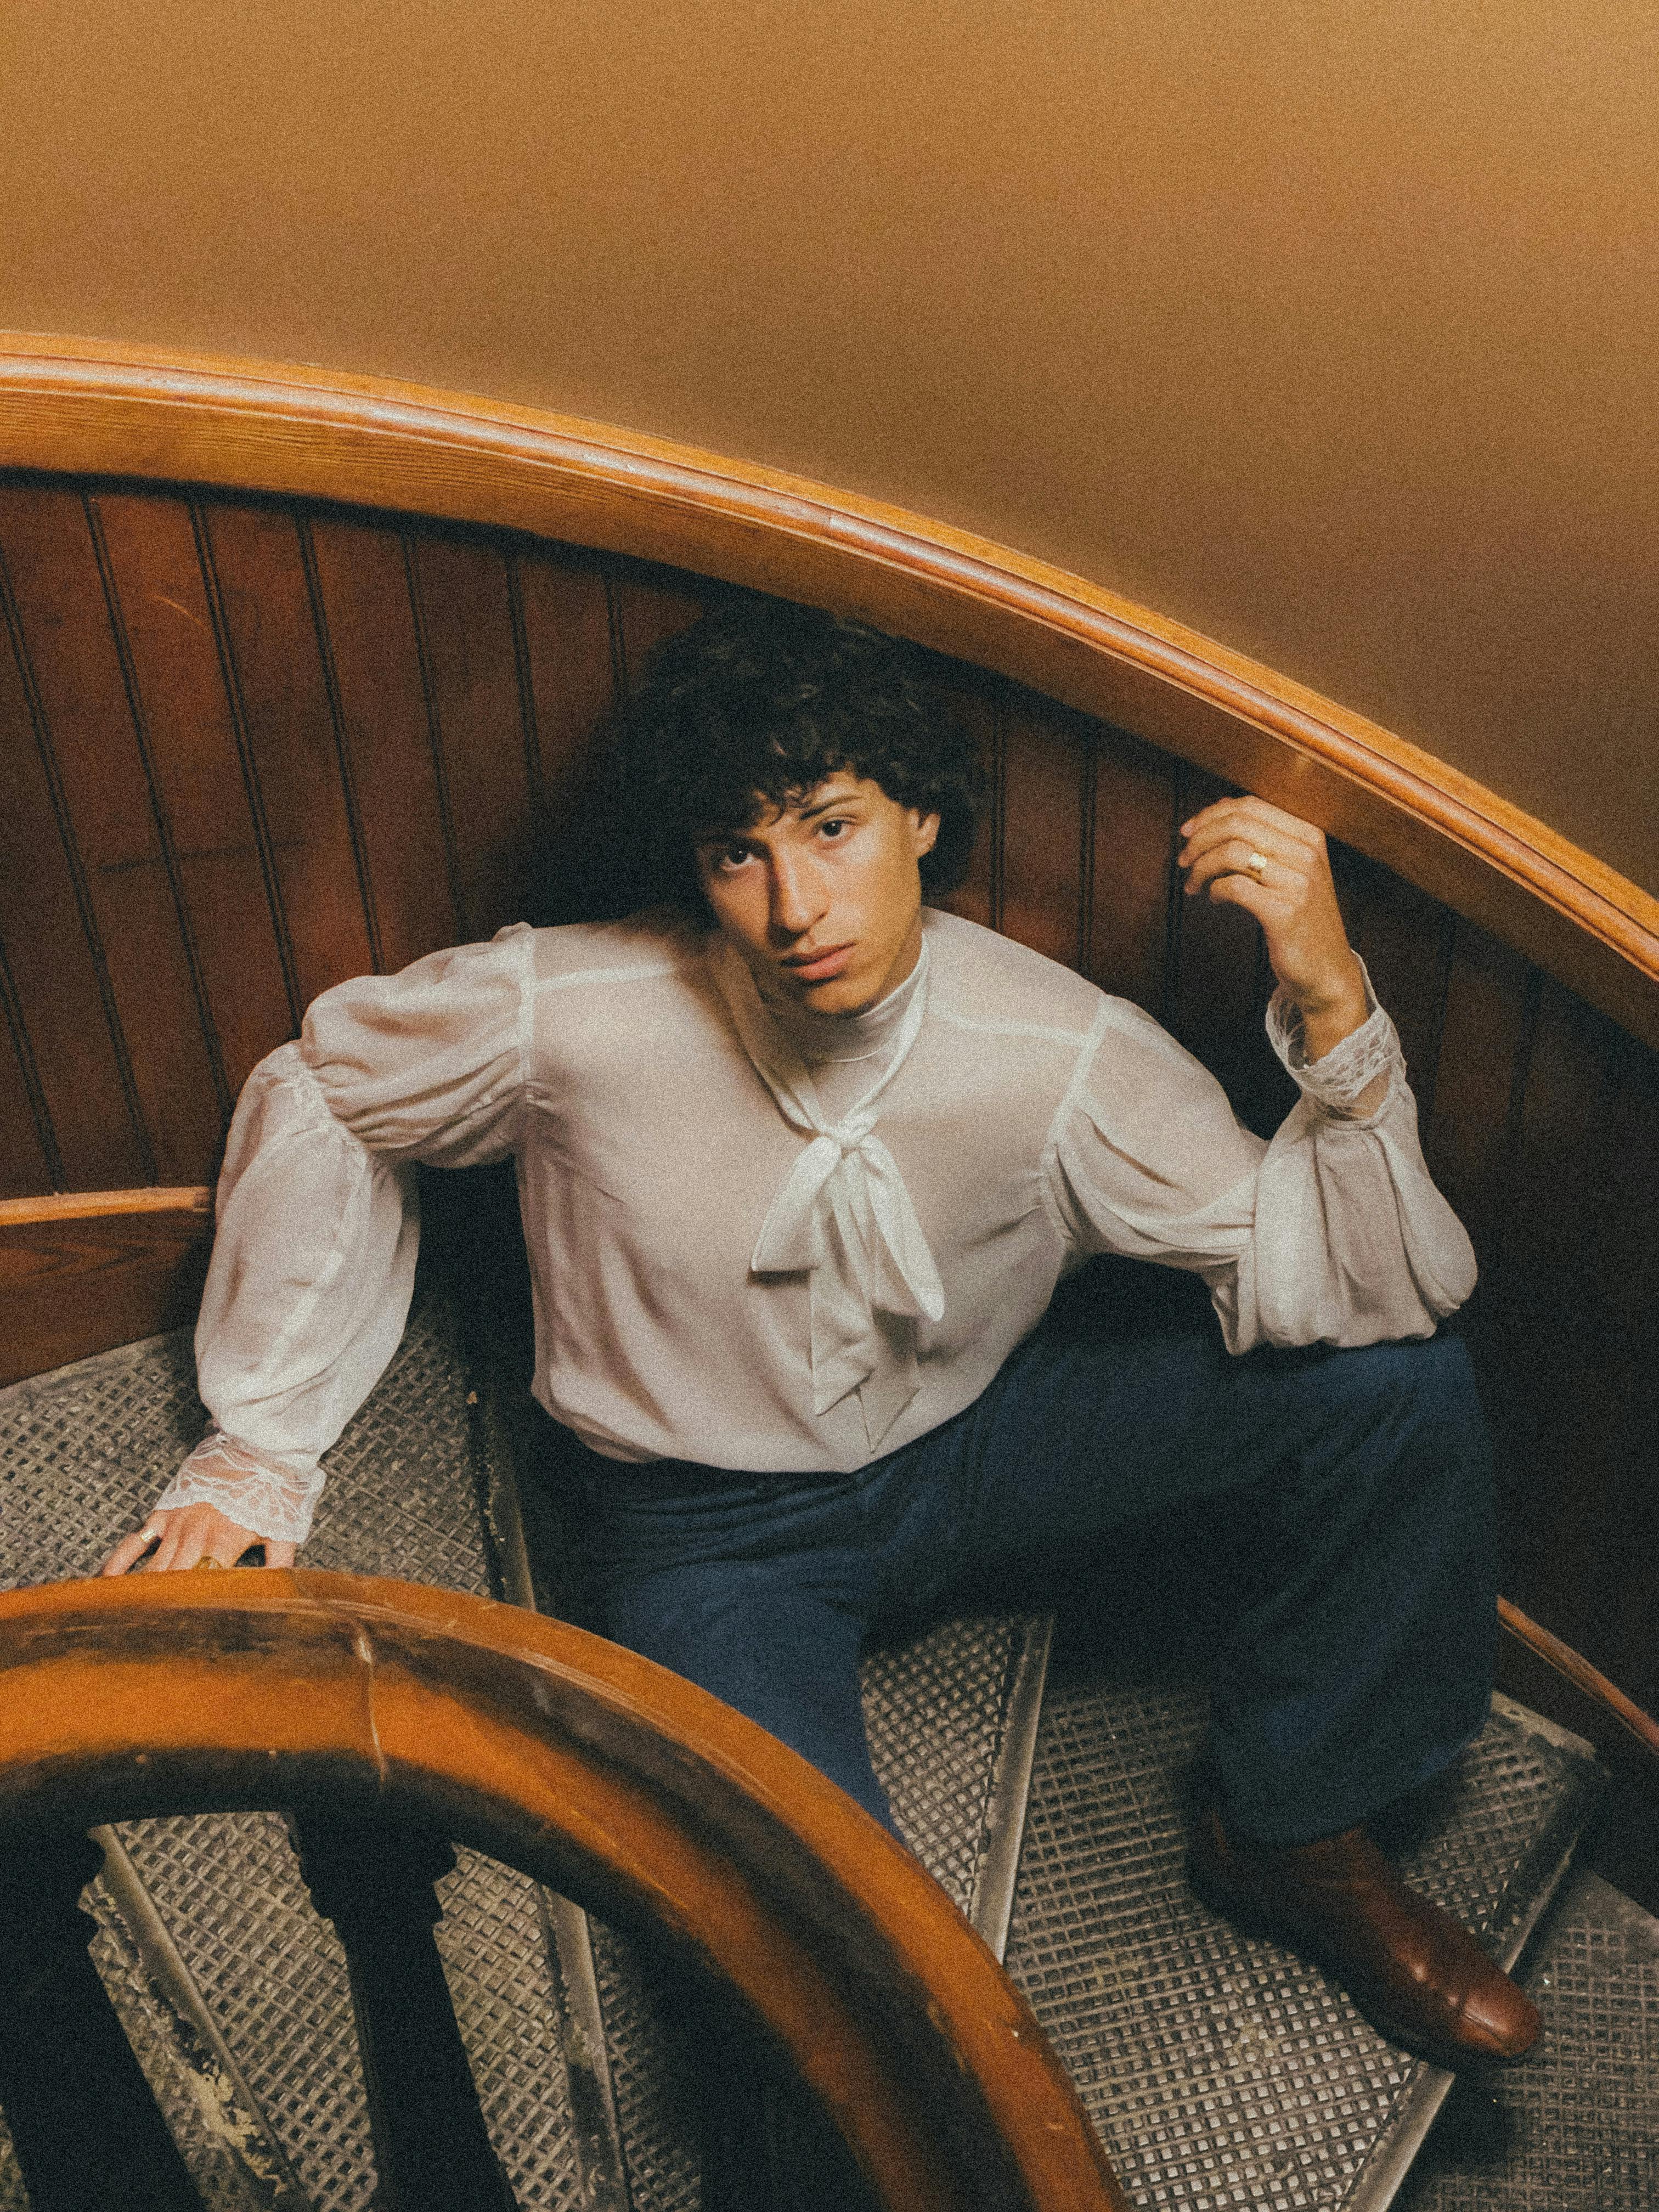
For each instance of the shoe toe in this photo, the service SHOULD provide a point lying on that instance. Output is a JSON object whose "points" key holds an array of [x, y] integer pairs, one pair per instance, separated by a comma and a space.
{"points": [[1502, 2019]]}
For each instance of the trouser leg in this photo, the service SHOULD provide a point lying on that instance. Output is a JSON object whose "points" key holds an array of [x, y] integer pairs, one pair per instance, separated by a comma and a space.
{"points": [[758, 1594], [1352, 1490]]}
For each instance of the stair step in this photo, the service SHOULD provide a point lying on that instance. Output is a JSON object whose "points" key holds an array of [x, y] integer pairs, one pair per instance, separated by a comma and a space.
{"points": [[1576, 2128], [1221, 2071]]}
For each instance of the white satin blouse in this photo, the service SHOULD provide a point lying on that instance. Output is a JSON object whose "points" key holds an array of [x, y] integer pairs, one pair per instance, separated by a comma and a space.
{"points": [[764, 1239]]}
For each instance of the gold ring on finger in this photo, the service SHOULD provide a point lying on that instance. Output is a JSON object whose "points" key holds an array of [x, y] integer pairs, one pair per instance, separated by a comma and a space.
{"points": [[1257, 865], [205, 1561]]}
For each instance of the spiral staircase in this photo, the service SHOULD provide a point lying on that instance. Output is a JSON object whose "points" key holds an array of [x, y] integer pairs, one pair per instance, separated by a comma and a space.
{"points": [[1037, 1771]]}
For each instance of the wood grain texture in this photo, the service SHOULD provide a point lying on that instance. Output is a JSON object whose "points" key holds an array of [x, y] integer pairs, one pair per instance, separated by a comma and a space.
{"points": [[75, 405], [69, 1288], [260, 559], [616, 1781], [91, 1205], [66, 1031]]}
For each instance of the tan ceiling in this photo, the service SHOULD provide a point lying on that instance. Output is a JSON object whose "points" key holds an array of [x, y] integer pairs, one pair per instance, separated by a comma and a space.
{"points": [[1325, 326]]}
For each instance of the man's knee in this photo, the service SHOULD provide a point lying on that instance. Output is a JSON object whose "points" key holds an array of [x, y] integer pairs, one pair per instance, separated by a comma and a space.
{"points": [[1419, 1383], [1405, 1418]]}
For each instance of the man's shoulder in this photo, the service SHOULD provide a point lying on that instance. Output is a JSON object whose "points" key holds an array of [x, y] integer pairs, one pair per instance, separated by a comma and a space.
{"points": [[657, 942], [982, 978]]}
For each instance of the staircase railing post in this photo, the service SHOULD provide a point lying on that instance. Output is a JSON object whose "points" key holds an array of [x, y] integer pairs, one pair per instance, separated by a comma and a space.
{"points": [[89, 2134], [375, 1882]]}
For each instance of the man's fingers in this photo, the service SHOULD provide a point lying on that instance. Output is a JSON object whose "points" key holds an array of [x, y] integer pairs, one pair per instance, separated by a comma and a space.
{"points": [[1255, 898], [1250, 815], [129, 1549], [187, 1535], [1235, 856], [173, 1550]]}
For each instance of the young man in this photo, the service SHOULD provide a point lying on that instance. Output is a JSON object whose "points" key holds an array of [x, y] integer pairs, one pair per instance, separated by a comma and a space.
{"points": [[801, 1164]]}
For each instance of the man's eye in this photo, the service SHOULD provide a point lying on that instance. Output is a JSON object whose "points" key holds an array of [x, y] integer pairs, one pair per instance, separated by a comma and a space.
{"points": [[731, 856], [834, 826]]}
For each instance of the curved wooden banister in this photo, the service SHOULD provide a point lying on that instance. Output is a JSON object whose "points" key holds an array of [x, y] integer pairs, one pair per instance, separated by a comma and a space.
{"points": [[592, 1770], [104, 1205], [1603, 1697], [75, 405]]}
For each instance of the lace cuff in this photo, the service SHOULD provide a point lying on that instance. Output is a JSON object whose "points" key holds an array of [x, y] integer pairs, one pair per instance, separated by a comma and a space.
{"points": [[247, 1488], [1340, 1079]]}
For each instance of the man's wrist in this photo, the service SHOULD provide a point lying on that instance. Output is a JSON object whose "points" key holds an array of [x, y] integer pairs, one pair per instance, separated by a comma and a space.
{"points": [[1326, 1018]]}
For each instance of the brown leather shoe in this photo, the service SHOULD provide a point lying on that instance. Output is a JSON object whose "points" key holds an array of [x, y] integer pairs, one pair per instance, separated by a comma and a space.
{"points": [[1420, 1978]]}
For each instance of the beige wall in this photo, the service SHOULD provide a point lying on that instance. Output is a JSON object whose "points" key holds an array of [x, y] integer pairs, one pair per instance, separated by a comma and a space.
{"points": [[1326, 326]]}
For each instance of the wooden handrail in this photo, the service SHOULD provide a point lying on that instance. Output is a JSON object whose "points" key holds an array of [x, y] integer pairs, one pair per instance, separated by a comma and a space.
{"points": [[104, 1205], [589, 1769], [87, 406], [1640, 1728]]}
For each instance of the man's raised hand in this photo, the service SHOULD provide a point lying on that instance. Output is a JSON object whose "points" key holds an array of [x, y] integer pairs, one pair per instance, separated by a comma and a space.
{"points": [[1244, 852], [186, 1536]]}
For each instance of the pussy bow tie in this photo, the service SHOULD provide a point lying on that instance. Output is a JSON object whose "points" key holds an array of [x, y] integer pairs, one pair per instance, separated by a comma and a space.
{"points": [[843, 1214]]}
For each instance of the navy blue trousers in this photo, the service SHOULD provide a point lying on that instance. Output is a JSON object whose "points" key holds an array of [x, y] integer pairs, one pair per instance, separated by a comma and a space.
{"points": [[1327, 1513]]}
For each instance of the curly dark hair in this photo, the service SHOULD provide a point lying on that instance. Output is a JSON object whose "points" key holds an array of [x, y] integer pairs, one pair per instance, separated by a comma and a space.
{"points": [[757, 703]]}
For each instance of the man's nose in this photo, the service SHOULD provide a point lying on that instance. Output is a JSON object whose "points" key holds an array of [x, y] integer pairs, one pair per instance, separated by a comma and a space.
{"points": [[797, 895]]}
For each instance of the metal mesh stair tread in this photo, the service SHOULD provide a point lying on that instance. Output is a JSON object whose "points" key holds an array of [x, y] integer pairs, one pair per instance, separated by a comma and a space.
{"points": [[1220, 2072]]}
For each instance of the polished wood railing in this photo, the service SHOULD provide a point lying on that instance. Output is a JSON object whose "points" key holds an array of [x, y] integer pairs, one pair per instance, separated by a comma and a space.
{"points": [[386, 1716]]}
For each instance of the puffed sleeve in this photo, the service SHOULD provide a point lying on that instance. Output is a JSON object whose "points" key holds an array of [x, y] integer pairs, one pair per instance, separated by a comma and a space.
{"points": [[1332, 1234], [318, 1225]]}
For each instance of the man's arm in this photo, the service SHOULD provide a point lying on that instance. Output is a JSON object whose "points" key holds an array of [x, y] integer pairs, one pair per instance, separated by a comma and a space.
{"points": [[313, 1254]]}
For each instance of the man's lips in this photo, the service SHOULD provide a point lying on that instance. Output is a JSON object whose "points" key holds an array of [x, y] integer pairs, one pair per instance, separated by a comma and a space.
{"points": [[818, 967]]}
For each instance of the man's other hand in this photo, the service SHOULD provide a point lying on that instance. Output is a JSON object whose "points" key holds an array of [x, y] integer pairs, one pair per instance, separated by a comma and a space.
{"points": [[186, 1535], [1245, 853]]}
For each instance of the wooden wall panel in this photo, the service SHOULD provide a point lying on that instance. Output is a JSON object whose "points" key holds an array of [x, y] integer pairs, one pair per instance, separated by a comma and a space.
{"points": [[388, 755], [1131, 880], [645, 615], [1046, 816], [200, 789], [71, 1063], [471, 660], [94, 772], [1468, 1132], [25, 1163], [979, 711], [1404, 939], [257, 565], [69, 1289], [564, 607]]}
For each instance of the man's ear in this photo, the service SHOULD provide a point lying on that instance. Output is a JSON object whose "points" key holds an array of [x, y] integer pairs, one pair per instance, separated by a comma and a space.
{"points": [[925, 830]]}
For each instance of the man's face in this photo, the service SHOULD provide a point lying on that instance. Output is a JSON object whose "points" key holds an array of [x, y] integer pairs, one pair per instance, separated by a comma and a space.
{"points": [[825, 893]]}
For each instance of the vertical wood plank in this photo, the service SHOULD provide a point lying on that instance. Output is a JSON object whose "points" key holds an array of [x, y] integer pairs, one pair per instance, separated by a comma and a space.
{"points": [[195, 757], [258, 566], [471, 662], [975, 709], [1130, 883], [388, 736], [1404, 939], [27, 1165], [645, 616], [1540, 1333], [1046, 820], [66, 631], [571, 668], [1626, 1603], [58, 993], [1468, 1135]]}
